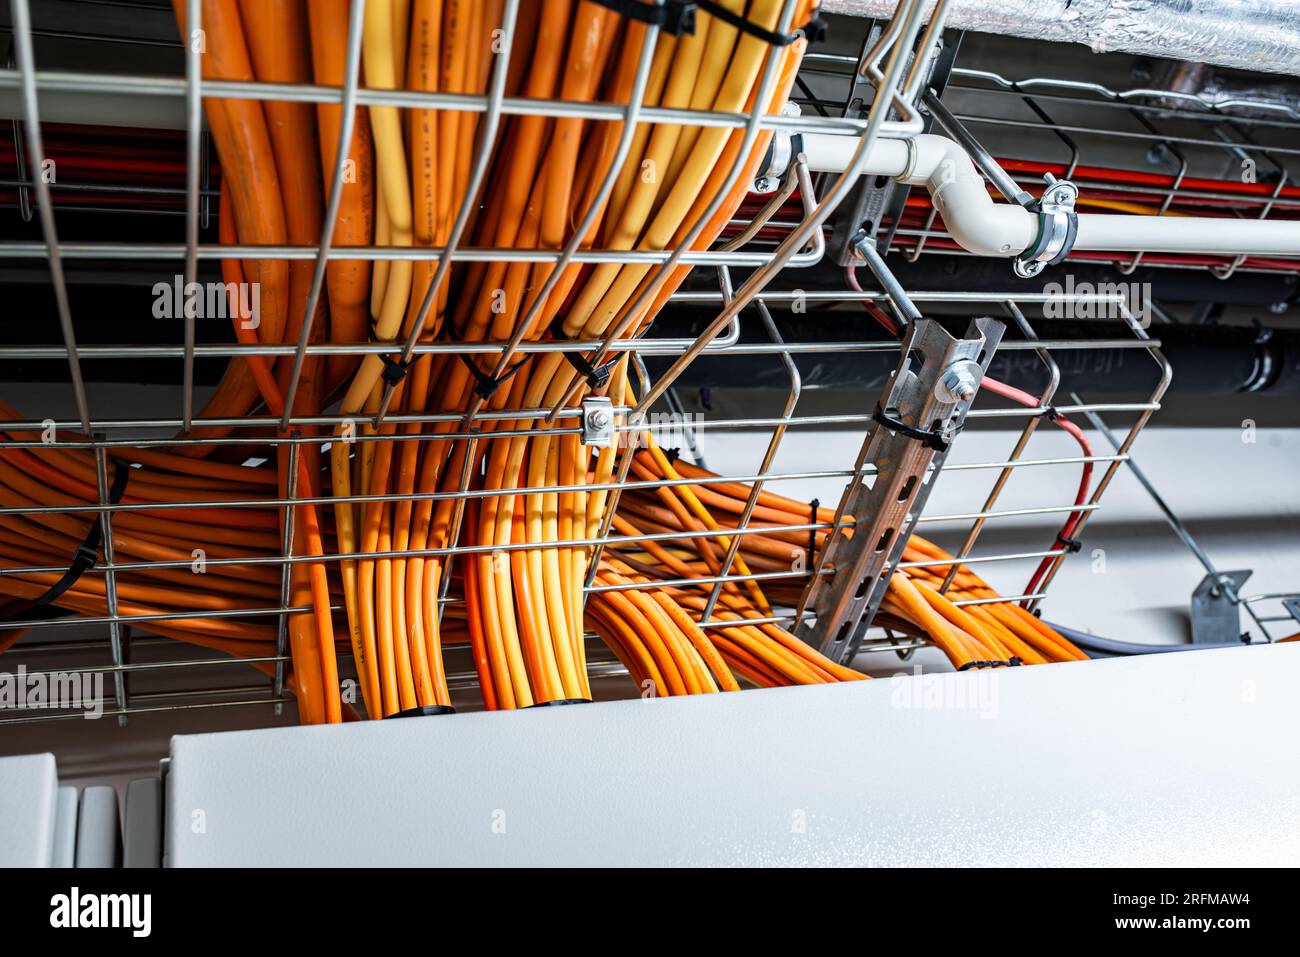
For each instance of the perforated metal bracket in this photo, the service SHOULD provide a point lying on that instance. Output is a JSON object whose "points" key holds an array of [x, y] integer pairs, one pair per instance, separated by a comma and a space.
{"points": [[922, 408], [1216, 615], [1292, 606], [598, 421]]}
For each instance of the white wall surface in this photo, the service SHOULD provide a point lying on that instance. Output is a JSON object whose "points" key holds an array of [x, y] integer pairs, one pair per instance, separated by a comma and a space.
{"points": [[1240, 500]]}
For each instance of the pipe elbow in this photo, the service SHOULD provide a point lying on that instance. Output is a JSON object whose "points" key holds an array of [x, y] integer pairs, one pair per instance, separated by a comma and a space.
{"points": [[958, 191], [994, 230]]}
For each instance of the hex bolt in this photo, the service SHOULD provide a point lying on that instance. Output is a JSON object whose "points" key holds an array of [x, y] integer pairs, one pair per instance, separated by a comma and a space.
{"points": [[961, 385], [598, 419], [958, 383]]}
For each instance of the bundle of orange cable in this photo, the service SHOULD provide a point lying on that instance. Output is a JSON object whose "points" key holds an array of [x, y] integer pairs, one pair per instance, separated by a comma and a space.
{"points": [[522, 546]]}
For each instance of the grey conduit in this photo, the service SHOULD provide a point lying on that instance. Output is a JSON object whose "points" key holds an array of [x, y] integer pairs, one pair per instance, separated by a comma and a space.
{"points": [[1096, 646]]}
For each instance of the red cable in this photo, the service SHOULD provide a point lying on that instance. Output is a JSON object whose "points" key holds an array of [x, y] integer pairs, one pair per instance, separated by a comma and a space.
{"points": [[1064, 536], [1019, 396]]}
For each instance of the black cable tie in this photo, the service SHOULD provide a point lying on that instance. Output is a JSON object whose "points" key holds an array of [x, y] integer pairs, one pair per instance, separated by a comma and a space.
{"points": [[671, 455], [87, 553], [422, 711], [814, 29], [394, 369], [1071, 545], [932, 440], [678, 17], [989, 664], [560, 701], [597, 376], [486, 385], [675, 16], [812, 533]]}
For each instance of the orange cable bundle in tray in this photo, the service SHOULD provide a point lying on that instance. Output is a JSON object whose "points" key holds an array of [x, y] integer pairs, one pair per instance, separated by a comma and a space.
{"points": [[540, 498]]}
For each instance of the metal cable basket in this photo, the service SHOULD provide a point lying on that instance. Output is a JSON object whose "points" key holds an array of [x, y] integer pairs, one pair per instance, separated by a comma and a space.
{"points": [[777, 235]]}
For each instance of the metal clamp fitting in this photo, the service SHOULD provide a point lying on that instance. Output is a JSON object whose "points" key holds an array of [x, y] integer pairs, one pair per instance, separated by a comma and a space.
{"points": [[781, 153], [1058, 226], [598, 421]]}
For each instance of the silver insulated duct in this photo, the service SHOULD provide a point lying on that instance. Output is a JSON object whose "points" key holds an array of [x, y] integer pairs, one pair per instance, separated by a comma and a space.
{"points": [[1260, 35]]}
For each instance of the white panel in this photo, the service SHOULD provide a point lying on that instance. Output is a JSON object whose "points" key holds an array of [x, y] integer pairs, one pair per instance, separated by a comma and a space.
{"points": [[28, 798], [65, 827], [99, 835], [1170, 759]]}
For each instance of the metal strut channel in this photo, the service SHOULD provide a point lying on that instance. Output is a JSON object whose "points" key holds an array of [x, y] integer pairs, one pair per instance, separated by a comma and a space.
{"points": [[922, 407]]}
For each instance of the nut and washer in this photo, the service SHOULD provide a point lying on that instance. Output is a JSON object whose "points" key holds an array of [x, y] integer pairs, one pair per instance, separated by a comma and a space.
{"points": [[598, 421], [959, 382]]}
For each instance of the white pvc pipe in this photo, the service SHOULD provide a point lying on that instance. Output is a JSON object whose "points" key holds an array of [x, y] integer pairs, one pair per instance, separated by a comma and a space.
{"points": [[1189, 234], [988, 228]]}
